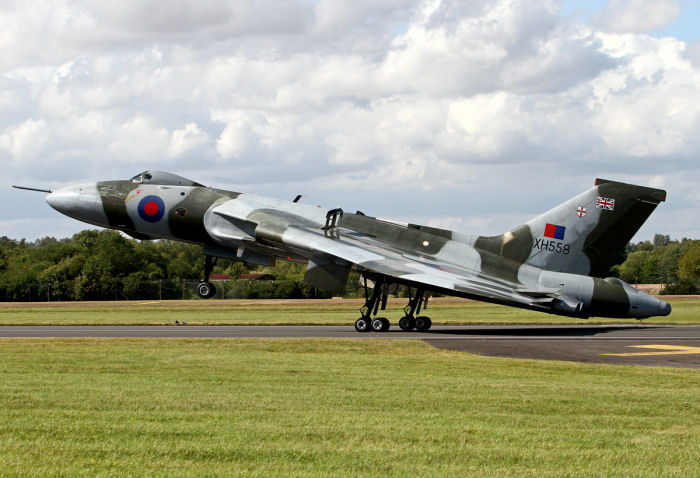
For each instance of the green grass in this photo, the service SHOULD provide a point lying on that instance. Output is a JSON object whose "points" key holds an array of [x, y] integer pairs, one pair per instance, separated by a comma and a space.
{"points": [[331, 312], [333, 408]]}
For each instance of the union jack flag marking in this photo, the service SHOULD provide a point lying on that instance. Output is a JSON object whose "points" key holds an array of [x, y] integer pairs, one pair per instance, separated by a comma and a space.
{"points": [[605, 203], [581, 211]]}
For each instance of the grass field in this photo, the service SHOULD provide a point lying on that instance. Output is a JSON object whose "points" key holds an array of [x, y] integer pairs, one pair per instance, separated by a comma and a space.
{"points": [[334, 408], [686, 310]]}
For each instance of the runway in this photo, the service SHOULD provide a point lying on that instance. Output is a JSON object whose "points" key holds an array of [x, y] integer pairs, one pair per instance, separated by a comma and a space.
{"points": [[658, 345]]}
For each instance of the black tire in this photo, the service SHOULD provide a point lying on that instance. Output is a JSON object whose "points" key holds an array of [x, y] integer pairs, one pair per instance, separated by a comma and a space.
{"points": [[363, 324], [423, 323], [379, 324], [385, 324], [206, 290], [407, 323]]}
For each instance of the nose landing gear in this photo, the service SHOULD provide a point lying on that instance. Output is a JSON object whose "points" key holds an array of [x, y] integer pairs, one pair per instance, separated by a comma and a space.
{"points": [[206, 289]]}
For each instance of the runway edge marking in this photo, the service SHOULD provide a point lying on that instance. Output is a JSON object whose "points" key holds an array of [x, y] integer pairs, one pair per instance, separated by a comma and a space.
{"points": [[668, 350]]}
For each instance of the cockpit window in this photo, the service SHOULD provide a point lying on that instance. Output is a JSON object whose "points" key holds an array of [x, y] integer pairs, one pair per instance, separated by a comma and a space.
{"points": [[145, 177], [163, 178]]}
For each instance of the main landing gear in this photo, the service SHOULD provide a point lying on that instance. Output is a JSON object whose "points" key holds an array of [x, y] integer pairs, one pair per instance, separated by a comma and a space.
{"points": [[366, 323], [369, 320], [206, 289], [409, 321]]}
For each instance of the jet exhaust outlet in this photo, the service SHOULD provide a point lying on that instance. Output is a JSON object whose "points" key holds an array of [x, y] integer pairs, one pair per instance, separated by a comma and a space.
{"points": [[568, 306]]}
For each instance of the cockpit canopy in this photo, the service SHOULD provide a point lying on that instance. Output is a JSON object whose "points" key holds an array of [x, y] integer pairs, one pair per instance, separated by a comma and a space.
{"points": [[162, 177]]}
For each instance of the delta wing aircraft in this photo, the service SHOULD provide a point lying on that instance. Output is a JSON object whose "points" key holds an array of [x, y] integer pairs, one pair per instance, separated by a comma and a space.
{"points": [[555, 263]]}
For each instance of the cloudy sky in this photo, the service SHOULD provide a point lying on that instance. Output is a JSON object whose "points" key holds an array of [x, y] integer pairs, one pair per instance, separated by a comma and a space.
{"points": [[469, 115]]}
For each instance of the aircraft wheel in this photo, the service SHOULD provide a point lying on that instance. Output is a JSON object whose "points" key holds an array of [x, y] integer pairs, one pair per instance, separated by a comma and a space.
{"points": [[380, 324], [407, 322], [423, 323], [206, 290], [363, 324]]}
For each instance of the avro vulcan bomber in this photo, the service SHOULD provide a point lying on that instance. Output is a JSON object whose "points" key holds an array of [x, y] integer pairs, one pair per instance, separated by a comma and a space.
{"points": [[555, 263]]}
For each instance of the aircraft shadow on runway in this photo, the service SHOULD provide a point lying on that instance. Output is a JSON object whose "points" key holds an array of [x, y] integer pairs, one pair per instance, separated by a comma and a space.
{"points": [[538, 331]]}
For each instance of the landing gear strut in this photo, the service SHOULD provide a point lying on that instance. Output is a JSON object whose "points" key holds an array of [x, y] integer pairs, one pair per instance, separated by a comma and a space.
{"points": [[369, 320], [366, 323], [409, 321], [206, 289]]}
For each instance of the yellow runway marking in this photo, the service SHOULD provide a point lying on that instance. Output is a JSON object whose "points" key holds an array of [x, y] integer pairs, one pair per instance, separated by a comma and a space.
{"points": [[672, 350]]}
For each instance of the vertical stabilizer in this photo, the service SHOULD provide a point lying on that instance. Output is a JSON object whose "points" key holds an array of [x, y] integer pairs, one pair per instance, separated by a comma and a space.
{"points": [[588, 234], [584, 235]]}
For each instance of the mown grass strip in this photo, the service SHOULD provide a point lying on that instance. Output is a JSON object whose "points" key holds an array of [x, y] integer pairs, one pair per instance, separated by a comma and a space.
{"points": [[333, 408], [323, 312]]}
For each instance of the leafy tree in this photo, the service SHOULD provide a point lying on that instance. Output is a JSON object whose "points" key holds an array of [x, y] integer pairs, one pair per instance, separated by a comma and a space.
{"points": [[632, 270], [668, 263], [103, 264], [138, 285], [661, 240], [114, 257], [183, 261], [236, 269], [689, 262], [674, 263], [682, 287]]}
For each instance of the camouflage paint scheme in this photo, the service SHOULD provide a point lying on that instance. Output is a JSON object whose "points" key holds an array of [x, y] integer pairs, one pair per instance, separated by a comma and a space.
{"points": [[554, 263]]}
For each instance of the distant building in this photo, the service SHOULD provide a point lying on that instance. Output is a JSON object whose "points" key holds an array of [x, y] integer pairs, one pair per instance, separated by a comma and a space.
{"points": [[220, 277], [650, 288], [257, 277]]}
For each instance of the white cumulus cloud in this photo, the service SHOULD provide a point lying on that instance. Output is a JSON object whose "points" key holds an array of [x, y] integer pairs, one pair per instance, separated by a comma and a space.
{"points": [[637, 16], [429, 110]]}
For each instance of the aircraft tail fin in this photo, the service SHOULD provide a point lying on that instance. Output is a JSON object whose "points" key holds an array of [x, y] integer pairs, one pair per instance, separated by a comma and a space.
{"points": [[584, 235]]}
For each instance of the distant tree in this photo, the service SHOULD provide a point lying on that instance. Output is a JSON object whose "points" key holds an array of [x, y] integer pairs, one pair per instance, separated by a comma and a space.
{"points": [[689, 262], [103, 264], [86, 239], [184, 261], [640, 246], [236, 269], [615, 271], [287, 270], [667, 266], [632, 269], [683, 286], [138, 285], [114, 257], [661, 240]]}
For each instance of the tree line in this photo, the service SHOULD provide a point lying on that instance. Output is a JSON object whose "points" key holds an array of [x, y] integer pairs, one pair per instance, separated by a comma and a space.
{"points": [[673, 263], [104, 265]]}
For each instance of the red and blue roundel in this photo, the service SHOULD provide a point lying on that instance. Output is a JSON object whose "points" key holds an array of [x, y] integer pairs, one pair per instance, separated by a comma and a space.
{"points": [[151, 208]]}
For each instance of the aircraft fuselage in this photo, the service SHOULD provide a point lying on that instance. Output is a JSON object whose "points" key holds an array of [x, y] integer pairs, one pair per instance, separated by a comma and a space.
{"points": [[258, 230]]}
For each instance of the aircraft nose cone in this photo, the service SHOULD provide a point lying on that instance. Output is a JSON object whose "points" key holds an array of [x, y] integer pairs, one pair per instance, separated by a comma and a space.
{"points": [[79, 202], [664, 307], [63, 200]]}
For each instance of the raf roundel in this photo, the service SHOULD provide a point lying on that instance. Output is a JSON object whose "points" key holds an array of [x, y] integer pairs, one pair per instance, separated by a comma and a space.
{"points": [[151, 208]]}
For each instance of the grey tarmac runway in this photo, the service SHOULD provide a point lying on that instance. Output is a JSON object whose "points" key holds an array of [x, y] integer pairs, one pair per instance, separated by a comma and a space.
{"points": [[652, 345]]}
